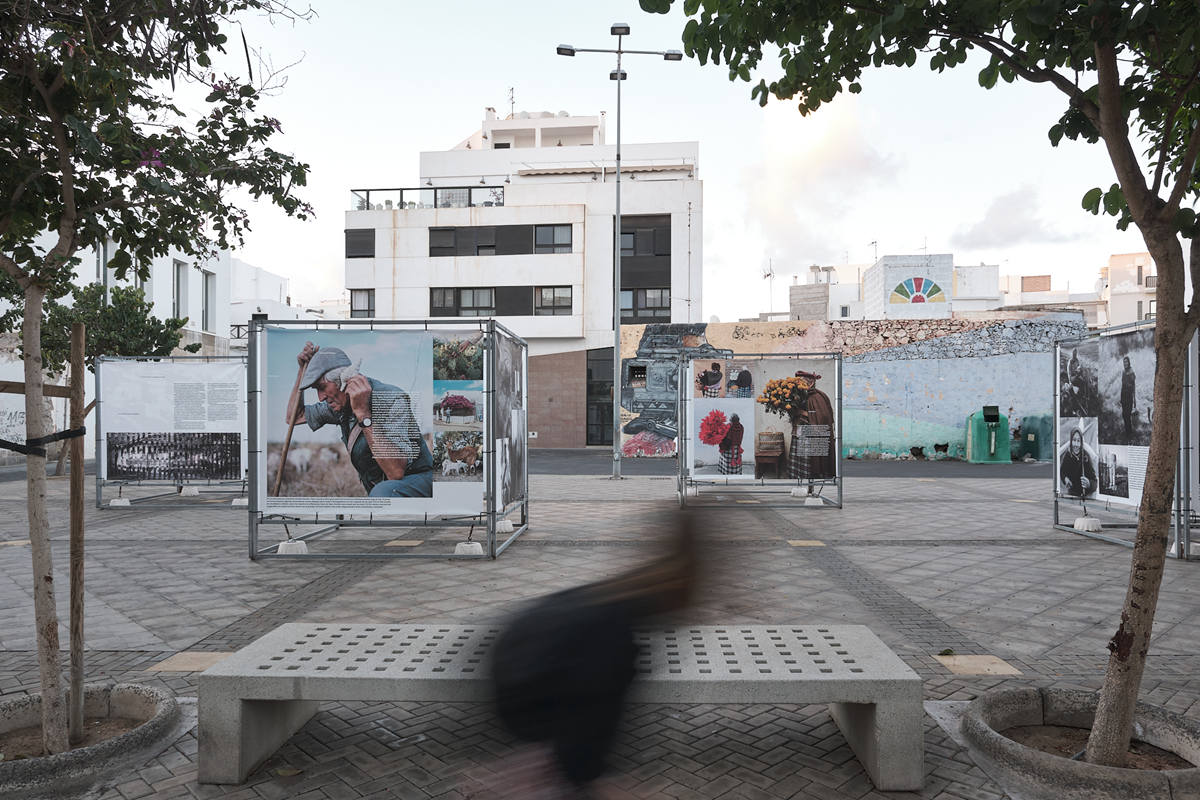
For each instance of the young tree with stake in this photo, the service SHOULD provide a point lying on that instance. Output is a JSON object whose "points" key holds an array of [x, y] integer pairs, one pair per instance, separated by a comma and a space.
{"points": [[93, 148]]}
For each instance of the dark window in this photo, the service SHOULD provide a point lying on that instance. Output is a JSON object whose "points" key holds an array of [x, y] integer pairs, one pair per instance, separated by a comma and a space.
{"points": [[1139, 274], [362, 303], [662, 241], [626, 244], [1139, 307], [447, 302], [514, 301], [490, 250], [845, 311], [514, 240], [441, 241], [1153, 309], [637, 375], [501, 146], [552, 239], [651, 303], [360, 243], [476, 303], [644, 243], [552, 300]]}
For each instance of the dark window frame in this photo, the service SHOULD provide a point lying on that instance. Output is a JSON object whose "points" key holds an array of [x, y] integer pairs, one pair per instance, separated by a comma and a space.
{"points": [[362, 313], [438, 296], [360, 242], [553, 239], [556, 308]]}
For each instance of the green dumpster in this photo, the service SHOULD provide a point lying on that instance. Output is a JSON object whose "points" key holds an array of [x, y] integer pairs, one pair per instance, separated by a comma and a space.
{"points": [[1037, 437], [988, 437]]}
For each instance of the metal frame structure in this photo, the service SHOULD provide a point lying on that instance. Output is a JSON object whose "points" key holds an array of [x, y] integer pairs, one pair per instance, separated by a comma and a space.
{"points": [[491, 514], [145, 502], [1180, 545], [689, 486]]}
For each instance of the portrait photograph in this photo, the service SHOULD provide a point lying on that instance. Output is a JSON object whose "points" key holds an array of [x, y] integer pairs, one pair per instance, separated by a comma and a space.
{"points": [[1078, 387], [1077, 464], [1126, 378]]}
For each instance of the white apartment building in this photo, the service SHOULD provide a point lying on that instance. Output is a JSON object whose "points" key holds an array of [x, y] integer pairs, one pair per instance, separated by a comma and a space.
{"points": [[516, 222], [1130, 288]]}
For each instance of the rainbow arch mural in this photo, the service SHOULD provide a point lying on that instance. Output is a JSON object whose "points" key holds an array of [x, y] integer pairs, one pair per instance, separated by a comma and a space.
{"points": [[917, 290]]}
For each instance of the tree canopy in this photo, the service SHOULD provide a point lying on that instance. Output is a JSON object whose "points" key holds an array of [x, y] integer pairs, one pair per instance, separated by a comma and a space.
{"points": [[1129, 73]]}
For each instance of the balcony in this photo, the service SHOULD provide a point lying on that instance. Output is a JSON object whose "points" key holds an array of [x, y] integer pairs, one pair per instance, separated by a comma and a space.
{"points": [[440, 197], [1151, 282]]}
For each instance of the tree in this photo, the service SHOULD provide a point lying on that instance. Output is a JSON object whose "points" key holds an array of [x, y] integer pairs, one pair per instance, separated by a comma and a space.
{"points": [[1129, 73], [92, 147], [123, 326]]}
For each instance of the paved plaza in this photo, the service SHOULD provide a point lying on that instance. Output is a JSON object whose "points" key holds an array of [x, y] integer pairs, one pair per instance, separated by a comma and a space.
{"points": [[966, 560]]}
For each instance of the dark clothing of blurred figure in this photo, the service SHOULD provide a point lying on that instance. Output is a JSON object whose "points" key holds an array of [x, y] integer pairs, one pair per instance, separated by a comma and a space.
{"points": [[561, 667], [1128, 398]]}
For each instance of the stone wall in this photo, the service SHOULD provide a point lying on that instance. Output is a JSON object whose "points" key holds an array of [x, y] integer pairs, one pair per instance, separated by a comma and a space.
{"points": [[558, 399], [905, 383]]}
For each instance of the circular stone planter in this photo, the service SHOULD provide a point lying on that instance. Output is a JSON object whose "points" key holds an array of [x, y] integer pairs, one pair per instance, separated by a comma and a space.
{"points": [[1033, 775], [82, 769]]}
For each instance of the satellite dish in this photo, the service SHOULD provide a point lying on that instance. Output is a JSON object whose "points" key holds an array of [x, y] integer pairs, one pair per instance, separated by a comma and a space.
{"points": [[714, 320]]}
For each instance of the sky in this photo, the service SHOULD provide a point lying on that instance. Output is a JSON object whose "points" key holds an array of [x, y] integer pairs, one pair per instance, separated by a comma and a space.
{"points": [[919, 162]]}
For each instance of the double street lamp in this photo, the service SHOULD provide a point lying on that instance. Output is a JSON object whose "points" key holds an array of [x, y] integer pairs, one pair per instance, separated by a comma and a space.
{"points": [[620, 30]]}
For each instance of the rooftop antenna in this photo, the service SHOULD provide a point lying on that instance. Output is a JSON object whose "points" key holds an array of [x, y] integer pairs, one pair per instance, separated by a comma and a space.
{"points": [[512, 103], [875, 244], [769, 277]]}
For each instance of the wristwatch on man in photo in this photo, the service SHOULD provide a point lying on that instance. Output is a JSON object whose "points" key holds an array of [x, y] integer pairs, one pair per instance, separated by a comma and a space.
{"points": [[365, 422]]}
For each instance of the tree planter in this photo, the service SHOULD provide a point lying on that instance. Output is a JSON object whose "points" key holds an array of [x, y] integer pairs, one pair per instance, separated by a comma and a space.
{"points": [[82, 769], [1033, 775]]}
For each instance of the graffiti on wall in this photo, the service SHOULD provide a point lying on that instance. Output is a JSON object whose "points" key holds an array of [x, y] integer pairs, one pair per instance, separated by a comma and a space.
{"points": [[650, 385]]}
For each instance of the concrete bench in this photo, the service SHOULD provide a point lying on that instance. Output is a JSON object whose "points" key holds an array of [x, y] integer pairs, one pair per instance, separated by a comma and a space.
{"points": [[253, 701]]}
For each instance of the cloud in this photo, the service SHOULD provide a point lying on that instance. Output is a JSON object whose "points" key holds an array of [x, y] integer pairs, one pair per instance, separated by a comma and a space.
{"points": [[811, 180], [1012, 219]]}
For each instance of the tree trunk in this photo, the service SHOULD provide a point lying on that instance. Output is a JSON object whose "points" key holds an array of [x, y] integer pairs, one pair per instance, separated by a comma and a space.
{"points": [[54, 716], [1130, 645]]}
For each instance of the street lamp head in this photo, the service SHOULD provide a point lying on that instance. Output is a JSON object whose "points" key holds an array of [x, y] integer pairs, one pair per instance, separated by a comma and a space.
{"points": [[620, 29], [566, 50], [613, 76], [673, 55]]}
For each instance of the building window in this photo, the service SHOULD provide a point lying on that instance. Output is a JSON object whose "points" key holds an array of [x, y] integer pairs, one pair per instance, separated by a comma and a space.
{"points": [[441, 242], [179, 277], [551, 300], [360, 243], [1139, 307], [476, 303], [1153, 309], [362, 303], [552, 239], [462, 302], [650, 303], [501, 146], [208, 305], [1139, 274], [627, 245], [845, 311]]}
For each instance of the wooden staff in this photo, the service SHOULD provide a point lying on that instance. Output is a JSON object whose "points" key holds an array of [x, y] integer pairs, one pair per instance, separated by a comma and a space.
{"points": [[287, 442]]}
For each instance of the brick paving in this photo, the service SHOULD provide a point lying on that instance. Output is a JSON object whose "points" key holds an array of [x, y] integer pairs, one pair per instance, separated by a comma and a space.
{"points": [[970, 564]]}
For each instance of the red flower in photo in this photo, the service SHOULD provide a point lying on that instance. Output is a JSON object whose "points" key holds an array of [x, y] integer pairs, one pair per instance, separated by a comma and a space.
{"points": [[713, 427]]}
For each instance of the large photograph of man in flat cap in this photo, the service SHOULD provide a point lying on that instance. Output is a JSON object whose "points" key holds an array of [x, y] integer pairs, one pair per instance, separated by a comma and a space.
{"points": [[348, 416]]}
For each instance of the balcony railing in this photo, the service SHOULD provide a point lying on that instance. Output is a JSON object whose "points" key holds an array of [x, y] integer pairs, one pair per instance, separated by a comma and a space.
{"points": [[440, 197], [1151, 281]]}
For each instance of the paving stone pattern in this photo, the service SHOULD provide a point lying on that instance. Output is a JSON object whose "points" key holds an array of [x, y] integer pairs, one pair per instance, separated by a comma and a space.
{"points": [[971, 565]]}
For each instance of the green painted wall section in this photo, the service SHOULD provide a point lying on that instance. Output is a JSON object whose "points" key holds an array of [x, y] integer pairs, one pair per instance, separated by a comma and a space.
{"points": [[869, 431]]}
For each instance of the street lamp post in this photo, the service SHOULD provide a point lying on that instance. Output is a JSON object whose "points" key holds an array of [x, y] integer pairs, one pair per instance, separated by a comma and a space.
{"points": [[620, 30]]}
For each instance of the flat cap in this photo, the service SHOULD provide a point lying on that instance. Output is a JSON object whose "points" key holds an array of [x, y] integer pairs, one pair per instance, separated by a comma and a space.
{"points": [[325, 359]]}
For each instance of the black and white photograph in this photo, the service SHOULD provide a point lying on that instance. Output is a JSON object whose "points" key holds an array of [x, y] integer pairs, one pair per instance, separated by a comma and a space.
{"points": [[1114, 470], [1126, 378], [174, 402], [510, 424], [1078, 458], [174, 456], [1078, 389]]}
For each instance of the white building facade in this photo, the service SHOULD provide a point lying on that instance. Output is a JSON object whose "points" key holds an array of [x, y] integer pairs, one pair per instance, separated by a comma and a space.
{"points": [[516, 222]]}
